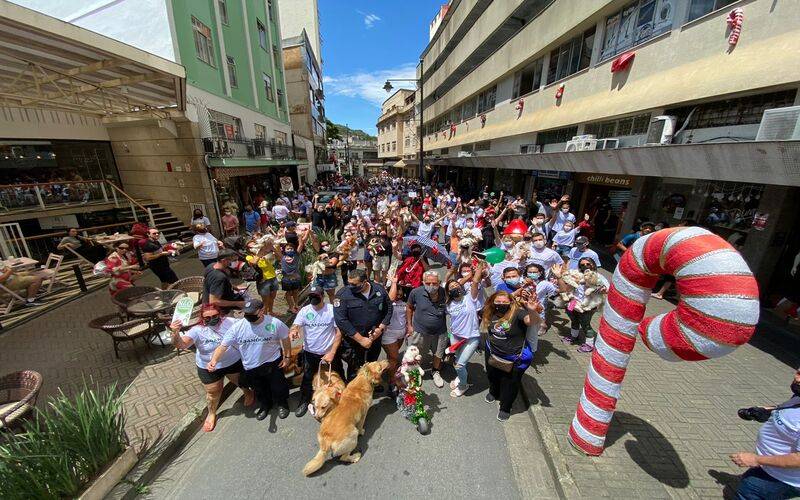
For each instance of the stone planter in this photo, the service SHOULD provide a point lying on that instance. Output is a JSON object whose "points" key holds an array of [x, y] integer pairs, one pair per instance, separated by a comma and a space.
{"points": [[111, 475]]}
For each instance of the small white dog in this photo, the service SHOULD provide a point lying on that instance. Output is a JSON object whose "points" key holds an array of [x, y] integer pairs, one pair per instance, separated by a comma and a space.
{"points": [[411, 360]]}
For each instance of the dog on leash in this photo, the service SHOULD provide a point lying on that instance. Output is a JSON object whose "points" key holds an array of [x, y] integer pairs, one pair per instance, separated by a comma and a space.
{"points": [[338, 434], [328, 388]]}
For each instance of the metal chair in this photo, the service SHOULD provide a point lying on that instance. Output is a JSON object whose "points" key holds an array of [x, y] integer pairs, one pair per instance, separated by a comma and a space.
{"points": [[18, 393], [51, 273], [123, 330]]}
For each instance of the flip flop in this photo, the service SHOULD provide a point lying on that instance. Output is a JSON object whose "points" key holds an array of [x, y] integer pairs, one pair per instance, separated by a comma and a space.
{"points": [[585, 348], [567, 340]]}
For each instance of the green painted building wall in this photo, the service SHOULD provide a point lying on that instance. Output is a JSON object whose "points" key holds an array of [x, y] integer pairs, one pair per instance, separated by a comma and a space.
{"points": [[211, 78]]}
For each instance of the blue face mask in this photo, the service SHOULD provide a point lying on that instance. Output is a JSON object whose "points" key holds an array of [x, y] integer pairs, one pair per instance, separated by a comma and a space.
{"points": [[512, 281], [534, 276]]}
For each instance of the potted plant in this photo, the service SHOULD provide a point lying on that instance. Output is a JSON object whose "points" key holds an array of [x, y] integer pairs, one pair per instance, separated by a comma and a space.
{"points": [[77, 447]]}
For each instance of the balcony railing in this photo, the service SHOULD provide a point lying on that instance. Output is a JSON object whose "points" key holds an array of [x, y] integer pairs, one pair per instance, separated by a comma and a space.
{"points": [[241, 147]]}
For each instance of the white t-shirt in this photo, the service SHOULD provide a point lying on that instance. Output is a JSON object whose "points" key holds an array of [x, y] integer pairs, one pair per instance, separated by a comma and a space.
{"points": [[561, 218], [425, 229], [565, 237], [207, 339], [211, 248], [280, 212], [546, 257], [481, 293], [318, 326], [258, 343], [464, 317], [780, 435], [576, 255], [201, 220], [398, 322]]}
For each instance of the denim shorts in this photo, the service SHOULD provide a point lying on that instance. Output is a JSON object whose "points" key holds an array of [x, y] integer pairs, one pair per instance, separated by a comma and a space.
{"points": [[327, 281], [267, 287]]}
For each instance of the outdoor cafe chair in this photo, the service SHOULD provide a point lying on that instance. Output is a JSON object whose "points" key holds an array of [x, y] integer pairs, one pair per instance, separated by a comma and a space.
{"points": [[122, 330], [18, 393]]}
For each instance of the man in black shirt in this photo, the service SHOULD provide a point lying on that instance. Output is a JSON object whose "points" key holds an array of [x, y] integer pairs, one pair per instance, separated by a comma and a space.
{"points": [[217, 286], [157, 258]]}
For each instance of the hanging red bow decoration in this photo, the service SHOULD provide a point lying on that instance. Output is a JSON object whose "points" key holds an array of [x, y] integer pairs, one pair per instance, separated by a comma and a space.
{"points": [[622, 62], [734, 21], [560, 91]]}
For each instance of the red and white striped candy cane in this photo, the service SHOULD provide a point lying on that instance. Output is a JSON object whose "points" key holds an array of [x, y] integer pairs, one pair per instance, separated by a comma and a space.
{"points": [[734, 20], [717, 312]]}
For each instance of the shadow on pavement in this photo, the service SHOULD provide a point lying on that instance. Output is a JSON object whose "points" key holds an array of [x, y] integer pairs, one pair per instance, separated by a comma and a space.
{"points": [[729, 482], [773, 338], [650, 449]]}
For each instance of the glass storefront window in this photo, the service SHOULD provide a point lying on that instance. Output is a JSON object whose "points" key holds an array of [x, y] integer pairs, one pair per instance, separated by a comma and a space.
{"points": [[31, 162]]}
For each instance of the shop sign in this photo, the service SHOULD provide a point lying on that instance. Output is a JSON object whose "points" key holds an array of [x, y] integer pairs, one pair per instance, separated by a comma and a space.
{"points": [[606, 180], [550, 174], [286, 183], [760, 221]]}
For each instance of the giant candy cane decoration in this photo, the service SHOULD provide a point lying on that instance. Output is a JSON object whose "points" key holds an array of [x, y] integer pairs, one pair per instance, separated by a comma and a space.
{"points": [[734, 21], [717, 312]]}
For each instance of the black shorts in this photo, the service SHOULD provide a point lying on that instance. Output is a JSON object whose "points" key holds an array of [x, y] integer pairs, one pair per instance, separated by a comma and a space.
{"points": [[208, 377], [291, 284], [165, 275]]}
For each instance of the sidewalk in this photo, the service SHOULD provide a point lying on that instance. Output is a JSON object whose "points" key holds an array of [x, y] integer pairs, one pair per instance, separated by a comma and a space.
{"points": [[161, 383], [675, 424]]}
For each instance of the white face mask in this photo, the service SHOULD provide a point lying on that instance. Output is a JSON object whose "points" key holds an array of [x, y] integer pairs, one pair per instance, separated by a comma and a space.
{"points": [[538, 244], [431, 288]]}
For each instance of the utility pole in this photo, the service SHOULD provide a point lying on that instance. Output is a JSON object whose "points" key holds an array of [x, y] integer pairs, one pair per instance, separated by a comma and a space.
{"points": [[347, 149]]}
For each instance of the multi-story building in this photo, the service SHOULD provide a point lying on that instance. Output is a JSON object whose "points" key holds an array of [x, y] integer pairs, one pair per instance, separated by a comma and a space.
{"points": [[306, 99], [397, 138], [299, 16], [668, 98], [356, 156], [233, 143]]}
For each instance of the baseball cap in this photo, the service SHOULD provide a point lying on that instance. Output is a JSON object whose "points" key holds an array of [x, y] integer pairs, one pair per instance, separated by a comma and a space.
{"points": [[581, 240], [291, 223], [252, 306], [315, 290]]}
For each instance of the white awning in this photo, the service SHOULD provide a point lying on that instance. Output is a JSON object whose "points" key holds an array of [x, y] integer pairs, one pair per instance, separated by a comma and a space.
{"points": [[48, 63]]}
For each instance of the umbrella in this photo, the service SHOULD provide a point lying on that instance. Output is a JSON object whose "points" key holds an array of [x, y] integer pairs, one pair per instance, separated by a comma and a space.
{"points": [[430, 249]]}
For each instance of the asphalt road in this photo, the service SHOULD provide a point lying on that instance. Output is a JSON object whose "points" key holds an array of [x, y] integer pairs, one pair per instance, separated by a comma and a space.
{"points": [[468, 453]]}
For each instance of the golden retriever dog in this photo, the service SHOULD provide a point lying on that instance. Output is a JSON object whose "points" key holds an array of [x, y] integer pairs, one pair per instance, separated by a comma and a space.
{"points": [[328, 388], [338, 434]]}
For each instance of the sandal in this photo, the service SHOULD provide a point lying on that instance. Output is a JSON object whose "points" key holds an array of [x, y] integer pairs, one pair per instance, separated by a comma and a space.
{"points": [[209, 426], [585, 348], [567, 340]]}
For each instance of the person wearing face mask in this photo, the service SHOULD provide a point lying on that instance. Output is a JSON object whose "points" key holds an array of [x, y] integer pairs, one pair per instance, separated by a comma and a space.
{"points": [[774, 469], [206, 244], [381, 249], [561, 215], [206, 336], [426, 322], [217, 287], [540, 254], [264, 345], [267, 277], [321, 340], [564, 239], [581, 251], [645, 228], [580, 315], [230, 223], [327, 279], [462, 308], [409, 273], [505, 325], [395, 333], [539, 224], [466, 273], [512, 281], [362, 311], [290, 276], [545, 289], [199, 218]]}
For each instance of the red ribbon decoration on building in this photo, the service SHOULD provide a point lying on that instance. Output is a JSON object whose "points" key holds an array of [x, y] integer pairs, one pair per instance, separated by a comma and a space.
{"points": [[622, 62], [560, 91]]}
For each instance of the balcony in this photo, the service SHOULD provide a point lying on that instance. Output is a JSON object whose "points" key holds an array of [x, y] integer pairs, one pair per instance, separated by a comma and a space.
{"points": [[241, 147]]}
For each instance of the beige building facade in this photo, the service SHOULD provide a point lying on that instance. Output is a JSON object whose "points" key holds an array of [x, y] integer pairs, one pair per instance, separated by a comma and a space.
{"points": [[651, 106], [397, 141]]}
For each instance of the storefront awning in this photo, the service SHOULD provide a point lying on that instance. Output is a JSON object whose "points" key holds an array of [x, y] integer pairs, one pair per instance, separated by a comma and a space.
{"points": [[48, 63]]}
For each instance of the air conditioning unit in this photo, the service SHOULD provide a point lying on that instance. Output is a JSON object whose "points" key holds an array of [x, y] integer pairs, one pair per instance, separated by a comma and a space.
{"points": [[780, 124], [581, 144], [661, 131], [462, 154], [607, 144]]}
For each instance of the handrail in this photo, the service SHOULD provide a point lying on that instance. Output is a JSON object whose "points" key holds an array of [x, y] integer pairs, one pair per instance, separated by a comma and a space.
{"points": [[126, 195], [64, 233], [60, 183]]}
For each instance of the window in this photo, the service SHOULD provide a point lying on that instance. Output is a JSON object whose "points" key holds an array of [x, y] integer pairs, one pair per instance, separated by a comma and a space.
{"points": [[261, 132], [203, 45], [223, 11], [280, 137], [268, 87], [699, 8], [571, 57], [632, 125], [394, 145], [486, 99], [262, 34], [277, 58], [528, 79], [455, 115], [279, 101], [729, 112], [468, 148], [382, 148], [468, 109], [444, 151], [483, 146], [269, 10], [223, 125], [556, 136], [635, 24], [526, 149], [408, 142], [232, 72]]}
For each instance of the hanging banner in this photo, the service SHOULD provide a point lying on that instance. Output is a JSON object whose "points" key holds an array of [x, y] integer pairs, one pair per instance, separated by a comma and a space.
{"points": [[286, 183]]}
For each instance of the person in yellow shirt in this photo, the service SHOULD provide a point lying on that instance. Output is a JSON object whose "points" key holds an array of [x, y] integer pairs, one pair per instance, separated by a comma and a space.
{"points": [[266, 282]]}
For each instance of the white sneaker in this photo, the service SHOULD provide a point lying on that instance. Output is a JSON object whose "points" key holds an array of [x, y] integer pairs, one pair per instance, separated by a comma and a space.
{"points": [[457, 393], [454, 383], [438, 381]]}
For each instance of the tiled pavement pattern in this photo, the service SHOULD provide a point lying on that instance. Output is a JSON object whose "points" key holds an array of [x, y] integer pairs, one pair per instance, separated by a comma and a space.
{"points": [[161, 384], [675, 424]]}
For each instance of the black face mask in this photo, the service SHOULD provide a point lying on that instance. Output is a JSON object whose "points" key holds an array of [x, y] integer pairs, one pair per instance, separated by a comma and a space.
{"points": [[315, 300], [416, 253], [583, 268], [252, 318], [795, 388], [502, 308], [356, 288], [212, 321], [455, 293]]}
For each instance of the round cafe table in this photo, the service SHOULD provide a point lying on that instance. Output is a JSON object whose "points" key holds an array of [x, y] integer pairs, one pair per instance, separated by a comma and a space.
{"points": [[151, 305]]}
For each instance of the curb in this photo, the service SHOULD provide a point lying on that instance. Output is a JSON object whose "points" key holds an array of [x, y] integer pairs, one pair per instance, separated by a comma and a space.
{"points": [[565, 483], [161, 452]]}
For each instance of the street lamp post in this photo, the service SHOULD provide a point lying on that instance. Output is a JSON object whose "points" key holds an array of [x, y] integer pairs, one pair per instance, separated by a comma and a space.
{"points": [[388, 88]]}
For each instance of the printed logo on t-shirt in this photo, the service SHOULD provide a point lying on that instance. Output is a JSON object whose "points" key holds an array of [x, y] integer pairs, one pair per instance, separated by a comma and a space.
{"points": [[310, 316], [500, 329], [270, 327]]}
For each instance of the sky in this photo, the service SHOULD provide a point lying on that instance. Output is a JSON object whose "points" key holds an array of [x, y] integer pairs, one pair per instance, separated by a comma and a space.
{"points": [[364, 43]]}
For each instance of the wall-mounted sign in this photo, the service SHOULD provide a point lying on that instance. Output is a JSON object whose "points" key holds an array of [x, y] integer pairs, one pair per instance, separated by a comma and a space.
{"points": [[286, 183], [606, 180]]}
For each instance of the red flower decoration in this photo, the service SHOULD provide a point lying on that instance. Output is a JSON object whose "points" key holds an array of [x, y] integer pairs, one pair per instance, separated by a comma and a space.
{"points": [[409, 400]]}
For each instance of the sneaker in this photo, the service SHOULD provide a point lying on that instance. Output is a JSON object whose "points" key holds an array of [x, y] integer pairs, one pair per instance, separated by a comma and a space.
{"points": [[454, 383], [31, 303], [457, 393], [262, 413], [489, 398], [301, 410], [585, 348], [438, 381], [503, 415], [283, 412]]}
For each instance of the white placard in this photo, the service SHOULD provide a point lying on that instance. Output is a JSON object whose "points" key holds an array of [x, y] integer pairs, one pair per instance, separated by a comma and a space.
{"points": [[183, 311]]}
